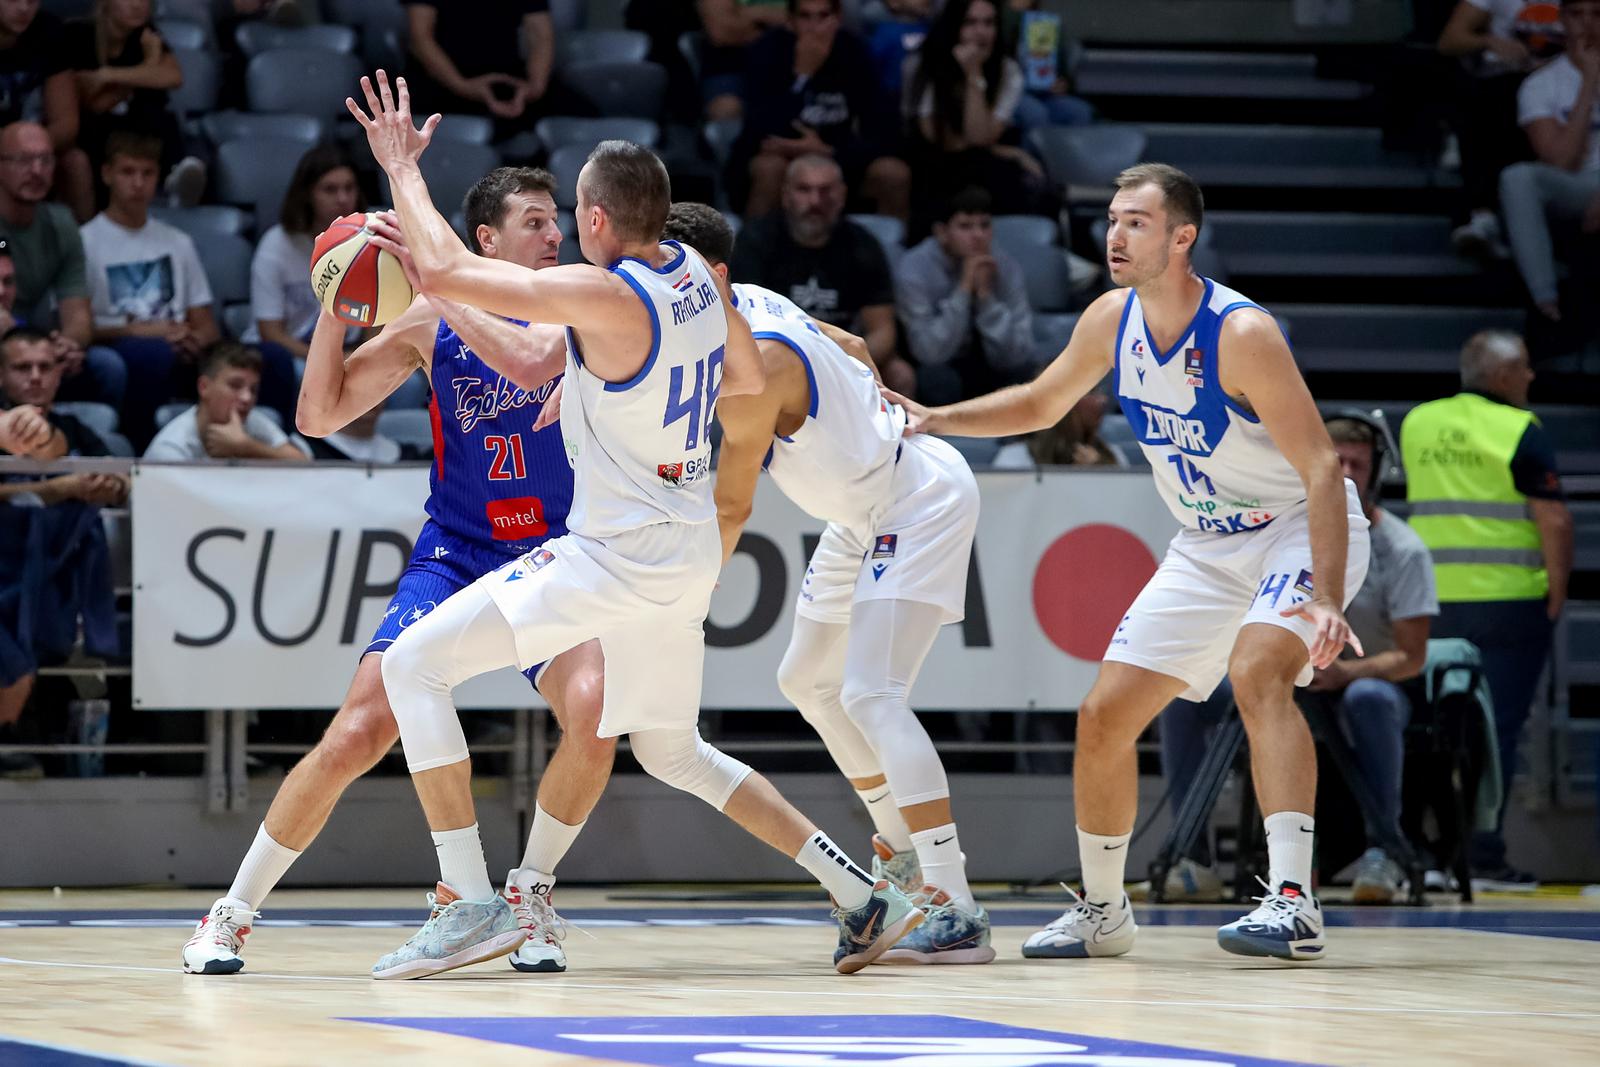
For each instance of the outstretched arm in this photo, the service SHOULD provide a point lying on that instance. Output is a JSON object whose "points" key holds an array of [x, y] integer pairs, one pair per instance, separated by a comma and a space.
{"points": [[335, 390], [529, 356]]}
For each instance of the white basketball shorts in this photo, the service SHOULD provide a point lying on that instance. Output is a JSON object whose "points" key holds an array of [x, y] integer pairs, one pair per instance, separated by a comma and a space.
{"points": [[644, 594], [1184, 623], [917, 549]]}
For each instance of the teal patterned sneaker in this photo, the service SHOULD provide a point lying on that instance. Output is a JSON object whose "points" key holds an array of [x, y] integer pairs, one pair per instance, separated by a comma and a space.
{"points": [[868, 931], [458, 933], [900, 868], [948, 935]]}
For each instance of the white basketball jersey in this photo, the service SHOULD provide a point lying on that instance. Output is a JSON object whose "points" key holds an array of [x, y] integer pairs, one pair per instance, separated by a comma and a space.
{"points": [[1214, 462], [839, 464], [641, 449]]}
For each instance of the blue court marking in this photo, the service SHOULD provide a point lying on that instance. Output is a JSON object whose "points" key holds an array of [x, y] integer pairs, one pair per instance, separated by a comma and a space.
{"points": [[20, 1052], [775, 1040], [1576, 925]]}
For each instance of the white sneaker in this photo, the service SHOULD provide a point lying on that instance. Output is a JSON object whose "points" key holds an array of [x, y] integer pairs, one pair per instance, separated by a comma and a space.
{"points": [[541, 953], [1188, 881], [1480, 236], [1378, 879], [1286, 924], [1086, 929], [219, 938]]}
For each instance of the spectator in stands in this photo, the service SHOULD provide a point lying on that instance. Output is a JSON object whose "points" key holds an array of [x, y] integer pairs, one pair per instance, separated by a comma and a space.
{"points": [[33, 624], [124, 74], [41, 239], [1497, 42], [964, 303], [1559, 108], [148, 291], [730, 27], [835, 270], [1075, 441], [961, 101], [809, 90], [1391, 615], [360, 442], [1486, 500], [34, 65], [225, 423], [465, 59], [1041, 50]]}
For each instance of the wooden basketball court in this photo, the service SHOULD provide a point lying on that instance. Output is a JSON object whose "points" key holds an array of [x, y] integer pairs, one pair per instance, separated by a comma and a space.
{"points": [[677, 979]]}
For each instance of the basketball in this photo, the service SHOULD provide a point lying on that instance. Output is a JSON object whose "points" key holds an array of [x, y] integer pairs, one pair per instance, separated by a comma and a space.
{"points": [[355, 280]]}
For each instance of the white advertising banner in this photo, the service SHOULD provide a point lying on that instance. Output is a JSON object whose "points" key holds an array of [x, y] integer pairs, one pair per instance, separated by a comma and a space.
{"points": [[258, 587]]}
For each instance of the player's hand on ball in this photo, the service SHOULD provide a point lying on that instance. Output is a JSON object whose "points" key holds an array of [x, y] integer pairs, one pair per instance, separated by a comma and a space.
{"points": [[386, 234], [917, 416], [1333, 632], [394, 140]]}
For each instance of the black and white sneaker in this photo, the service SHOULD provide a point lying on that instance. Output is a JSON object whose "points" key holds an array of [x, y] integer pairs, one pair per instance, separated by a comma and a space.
{"points": [[1286, 924]]}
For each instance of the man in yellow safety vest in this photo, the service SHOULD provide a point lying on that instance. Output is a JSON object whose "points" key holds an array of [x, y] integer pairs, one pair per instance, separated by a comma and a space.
{"points": [[1486, 499]]}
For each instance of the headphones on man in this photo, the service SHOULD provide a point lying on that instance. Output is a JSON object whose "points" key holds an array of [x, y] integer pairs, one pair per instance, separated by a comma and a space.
{"points": [[1385, 453]]}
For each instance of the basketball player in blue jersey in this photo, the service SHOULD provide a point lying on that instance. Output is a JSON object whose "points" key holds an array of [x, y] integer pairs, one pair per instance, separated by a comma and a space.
{"points": [[1273, 546], [497, 491], [652, 341], [888, 572]]}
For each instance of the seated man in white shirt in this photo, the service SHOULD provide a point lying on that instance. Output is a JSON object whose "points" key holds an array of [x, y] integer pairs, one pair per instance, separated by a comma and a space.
{"points": [[225, 423], [1559, 108]]}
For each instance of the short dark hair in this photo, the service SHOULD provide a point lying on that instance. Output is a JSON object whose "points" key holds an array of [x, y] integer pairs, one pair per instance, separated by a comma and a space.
{"points": [[631, 183], [134, 145], [485, 203], [972, 200], [1184, 202], [229, 354], [701, 227], [26, 334], [312, 168], [1351, 432]]}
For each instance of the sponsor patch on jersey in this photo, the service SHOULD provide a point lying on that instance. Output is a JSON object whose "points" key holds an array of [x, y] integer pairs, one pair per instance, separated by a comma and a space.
{"points": [[681, 474], [416, 613], [1138, 348], [516, 519], [533, 562], [883, 546], [1194, 363], [1302, 584]]}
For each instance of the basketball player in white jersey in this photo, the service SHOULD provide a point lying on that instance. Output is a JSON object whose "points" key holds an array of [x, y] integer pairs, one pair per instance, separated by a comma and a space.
{"points": [[889, 571], [652, 341], [511, 213], [1273, 546]]}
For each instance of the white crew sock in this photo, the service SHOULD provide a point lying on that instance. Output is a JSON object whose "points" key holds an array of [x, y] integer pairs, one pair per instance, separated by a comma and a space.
{"points": [[461, 863], [1291, 836], [1103, 859], [262, 868], [848, 884], [548, 842], [886, 817], [942, 865]]}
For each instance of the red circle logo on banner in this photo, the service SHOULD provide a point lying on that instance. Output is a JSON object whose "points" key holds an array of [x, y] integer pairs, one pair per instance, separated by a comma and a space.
{"points": [[1084, 583]]}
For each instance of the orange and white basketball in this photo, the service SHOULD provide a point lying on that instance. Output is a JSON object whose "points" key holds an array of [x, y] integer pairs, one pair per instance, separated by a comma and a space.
{"points": [[355, 280]]}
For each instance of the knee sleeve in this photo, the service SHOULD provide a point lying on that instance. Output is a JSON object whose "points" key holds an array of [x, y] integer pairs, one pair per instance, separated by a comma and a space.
{"points": [[891, 640], [683, 760], [809, 677]]}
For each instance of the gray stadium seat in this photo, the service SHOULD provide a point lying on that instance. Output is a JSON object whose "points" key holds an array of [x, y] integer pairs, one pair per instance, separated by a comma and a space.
{"points": [[1077, 156], [565, 163], [1148, 72], [720, 136], [464, 129], [450, 174], [308, 81], [184, 33], [204, 219], [118, 445], [889, 231], [637, 89], [101, 418], [255, 37], [237, 319], [1049, 280], [601, 46], [1051, 331], [558, 131], [1386, 337], [226, 259], [1116, 430], [692, 46], [167, 412], [1266, 156], [255, 172], [1345, 245], [569, 14], [1012, 230], [567, 223], [202, 74], [223, 126], [408, 426]]}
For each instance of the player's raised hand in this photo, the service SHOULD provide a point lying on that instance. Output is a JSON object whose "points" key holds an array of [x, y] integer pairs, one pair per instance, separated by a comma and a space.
{"points": [[395, 141], [1333, 632], [917, 416]]}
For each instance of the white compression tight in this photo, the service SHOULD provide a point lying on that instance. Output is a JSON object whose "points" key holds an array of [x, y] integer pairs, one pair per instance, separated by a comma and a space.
{"points": [[682, 759], [853, 685]]}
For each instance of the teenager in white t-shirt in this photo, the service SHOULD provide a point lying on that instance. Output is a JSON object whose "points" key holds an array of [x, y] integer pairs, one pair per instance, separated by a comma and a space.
{"points": [[225, 423], [1559, 109]]}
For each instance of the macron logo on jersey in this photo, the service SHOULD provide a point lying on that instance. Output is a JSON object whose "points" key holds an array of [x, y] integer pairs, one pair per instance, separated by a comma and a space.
{"points": [[1188, 435]]}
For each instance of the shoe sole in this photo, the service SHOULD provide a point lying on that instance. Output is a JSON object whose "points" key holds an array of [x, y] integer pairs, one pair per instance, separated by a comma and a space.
{"points": [[483, 952], [984, 954], [857, 961], [233, 966], [542, 967], [1372, 894], [1260, 947], [1079, 951]]}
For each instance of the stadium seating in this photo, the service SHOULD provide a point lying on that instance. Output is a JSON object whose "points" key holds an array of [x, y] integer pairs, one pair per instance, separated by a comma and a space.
{"points": [[601, 46], [226, 259], [1278, 157], [450, 174], [202, 74], [184, 33], [202, 221], [558, 131], [223, 126], [565, 163], [1076, 157], [308, 81], [254, 172], [101, 418], [463, 129], [257, 37], [408, 426], [635, 89], [890, 232], [1048, 278]]}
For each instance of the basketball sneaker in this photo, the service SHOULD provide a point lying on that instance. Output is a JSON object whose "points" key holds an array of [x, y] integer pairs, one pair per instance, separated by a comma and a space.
{"points": [[1085, 930], [947, 935], [865, 933], [1286, 924], [540, 952], [219, 938], [1378, 879], [901, 868], [458, 933], [1188, 881]]}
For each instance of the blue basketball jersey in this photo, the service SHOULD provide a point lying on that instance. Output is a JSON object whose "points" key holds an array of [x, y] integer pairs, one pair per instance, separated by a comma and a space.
{"points": [[493, 479]]}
